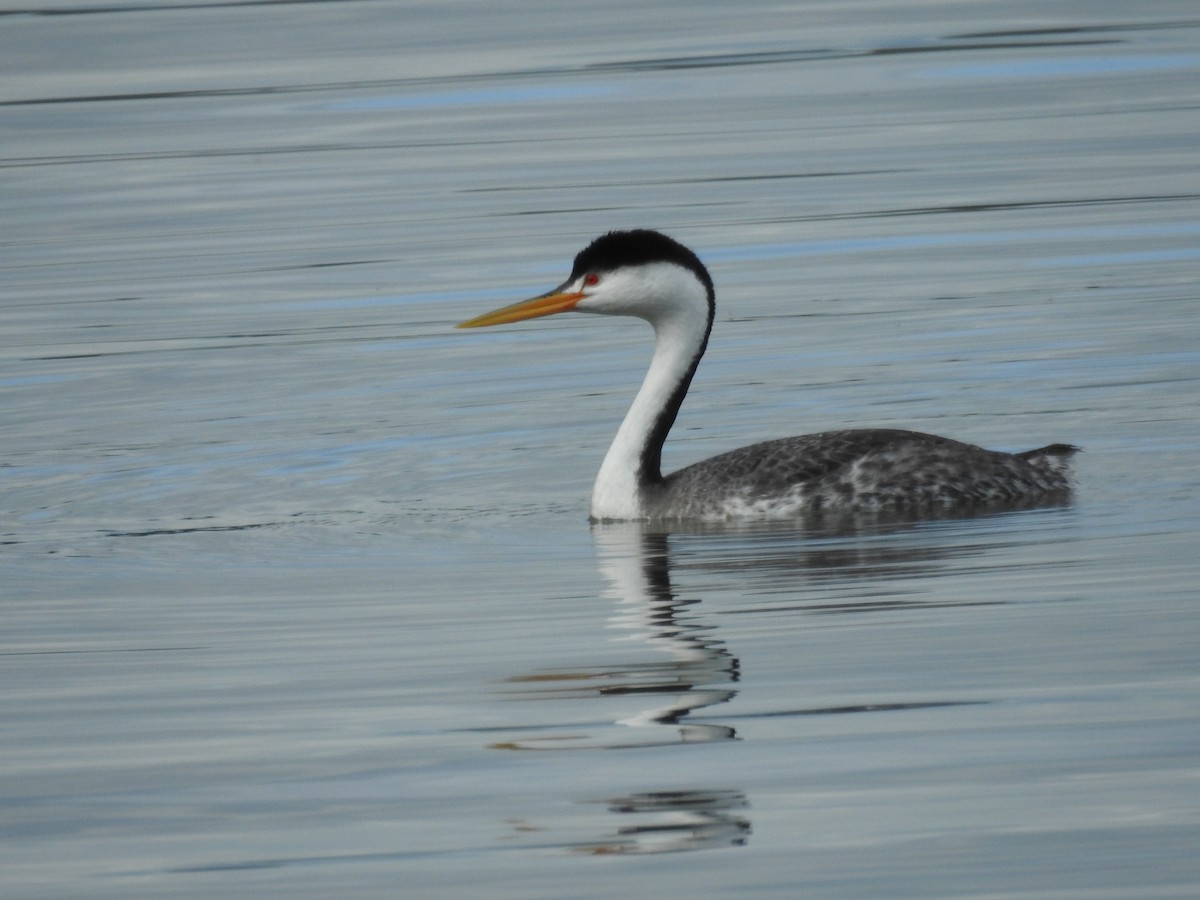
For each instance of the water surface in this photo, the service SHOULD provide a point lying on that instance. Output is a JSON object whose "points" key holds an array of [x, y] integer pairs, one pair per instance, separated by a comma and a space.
{"points": [[299, 594]]}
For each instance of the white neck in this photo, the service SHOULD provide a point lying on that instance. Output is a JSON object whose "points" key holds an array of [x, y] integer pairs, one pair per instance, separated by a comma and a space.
{"points": [[621, 485]]}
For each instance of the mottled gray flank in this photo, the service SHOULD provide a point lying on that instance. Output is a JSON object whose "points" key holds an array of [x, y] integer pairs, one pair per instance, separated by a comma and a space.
{"points": [[861, 470]]}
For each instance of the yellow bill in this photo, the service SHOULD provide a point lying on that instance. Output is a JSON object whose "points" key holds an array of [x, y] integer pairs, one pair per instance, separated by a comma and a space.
{"points": [[544, 305]]}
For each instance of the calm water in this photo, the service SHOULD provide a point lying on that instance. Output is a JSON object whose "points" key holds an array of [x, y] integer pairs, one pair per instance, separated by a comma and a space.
{"points": [[299, 597]]}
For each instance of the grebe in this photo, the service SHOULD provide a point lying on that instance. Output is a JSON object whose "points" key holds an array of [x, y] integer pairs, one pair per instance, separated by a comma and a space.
{"points": [[646, 274]]}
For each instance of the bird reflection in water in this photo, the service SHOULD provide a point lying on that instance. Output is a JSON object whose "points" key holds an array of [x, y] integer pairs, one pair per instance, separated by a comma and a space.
{"points": [[678, 821], [662, 822], [694, 669]]}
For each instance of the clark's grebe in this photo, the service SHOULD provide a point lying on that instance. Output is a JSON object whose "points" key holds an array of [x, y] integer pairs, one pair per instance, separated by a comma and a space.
{"points": [[647, 274]]}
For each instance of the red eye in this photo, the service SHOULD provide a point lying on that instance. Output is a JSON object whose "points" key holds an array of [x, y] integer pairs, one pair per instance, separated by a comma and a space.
{"points": [[590, 280]]}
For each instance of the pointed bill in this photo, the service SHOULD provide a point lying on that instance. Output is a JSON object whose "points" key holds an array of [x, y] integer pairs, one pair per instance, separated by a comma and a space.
{"points": [[545, 305]]}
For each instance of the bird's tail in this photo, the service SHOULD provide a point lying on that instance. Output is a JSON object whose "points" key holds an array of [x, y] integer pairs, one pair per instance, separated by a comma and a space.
{"points": [[1052, 457]]}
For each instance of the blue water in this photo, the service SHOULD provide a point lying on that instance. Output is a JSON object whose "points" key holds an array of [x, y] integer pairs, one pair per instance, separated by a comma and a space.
{"points": [[298, 596]]}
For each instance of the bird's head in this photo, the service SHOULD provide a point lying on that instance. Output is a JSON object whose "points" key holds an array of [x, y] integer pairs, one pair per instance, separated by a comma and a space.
{"points": [[623, 273]]}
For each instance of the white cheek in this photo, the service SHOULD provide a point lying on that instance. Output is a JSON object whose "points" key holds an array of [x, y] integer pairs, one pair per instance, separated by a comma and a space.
{"points": [[648, 292], [630, 293]]}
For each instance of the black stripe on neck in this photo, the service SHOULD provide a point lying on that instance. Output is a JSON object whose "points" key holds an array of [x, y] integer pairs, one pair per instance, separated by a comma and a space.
{"points": [[650, 463], [642, 246]]}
